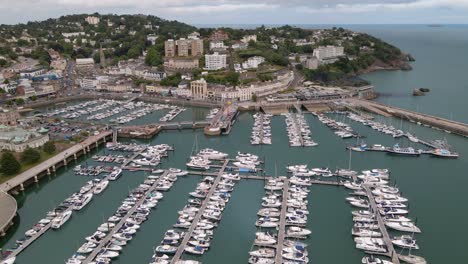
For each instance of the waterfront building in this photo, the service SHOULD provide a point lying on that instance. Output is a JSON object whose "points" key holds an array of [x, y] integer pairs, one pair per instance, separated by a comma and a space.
{"points": [[25, 89], [18, 139], [253, 62], [88, 84], [116, 87], [92, 20], [328, 52], [219, 35], [221, 93], [182, 92], [152, 89], [9, 117], [199, 89], [181, 63], [215, 61]]}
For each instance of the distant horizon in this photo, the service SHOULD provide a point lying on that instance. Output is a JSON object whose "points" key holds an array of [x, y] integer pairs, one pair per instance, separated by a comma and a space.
{"points": [[360, 12]]}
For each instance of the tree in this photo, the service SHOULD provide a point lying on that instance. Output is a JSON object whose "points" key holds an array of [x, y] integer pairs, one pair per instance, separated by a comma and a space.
{"points": [[254, 98], [19, 101], [33, 98], [8, 164], [233, 78], [153, 58], [3, 63], [49, 147], [30, 156]]}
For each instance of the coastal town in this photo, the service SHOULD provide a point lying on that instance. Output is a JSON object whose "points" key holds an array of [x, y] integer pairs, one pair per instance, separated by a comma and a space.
{"points": [[137, 107]]}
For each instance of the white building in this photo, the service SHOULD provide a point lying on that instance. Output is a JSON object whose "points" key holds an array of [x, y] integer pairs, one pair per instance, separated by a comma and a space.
{"points": [[152, 39], [89, 84], [262, 89], [84, 62], [182, 92], [253, 62], [18, 139], [73, 34], [327, 52], [92, 20], [248, 38], [215, 61], [219, 45]]}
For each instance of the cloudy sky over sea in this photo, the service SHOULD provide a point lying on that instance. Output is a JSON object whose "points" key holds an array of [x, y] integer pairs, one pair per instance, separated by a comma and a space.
{"points": [[250, 12]]}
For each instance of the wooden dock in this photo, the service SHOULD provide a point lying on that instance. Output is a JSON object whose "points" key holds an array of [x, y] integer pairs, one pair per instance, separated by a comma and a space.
{"points": [[200, 212], [383, 229], [109, 236], [282, 223]]}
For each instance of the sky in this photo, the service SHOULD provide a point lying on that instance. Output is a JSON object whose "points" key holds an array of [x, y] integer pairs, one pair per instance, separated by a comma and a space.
{"points": [[250, 12]]}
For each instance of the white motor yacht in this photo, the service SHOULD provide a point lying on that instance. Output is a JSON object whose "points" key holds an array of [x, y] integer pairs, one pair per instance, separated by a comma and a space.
{"points": [[403, 226], [61, 219]]}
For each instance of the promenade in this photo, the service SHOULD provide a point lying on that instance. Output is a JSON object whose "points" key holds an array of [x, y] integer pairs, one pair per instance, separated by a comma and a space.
{"points": [[50, 163], [8, 205]]}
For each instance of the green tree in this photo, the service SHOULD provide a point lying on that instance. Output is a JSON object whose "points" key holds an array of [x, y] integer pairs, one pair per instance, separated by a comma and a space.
{"points": [[3, 63], [30, 156], [8, 164], [153, 58], [49, 147], [33, 98], [254, 98], [19, 101], [233, 78]]}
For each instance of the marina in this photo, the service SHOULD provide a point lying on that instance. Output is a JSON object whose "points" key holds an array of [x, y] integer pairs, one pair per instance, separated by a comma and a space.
{"points": [[131, 213], [298, 131], [317, 178]]}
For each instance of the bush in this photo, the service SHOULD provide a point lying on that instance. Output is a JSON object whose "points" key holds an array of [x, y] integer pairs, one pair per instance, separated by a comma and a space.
{"points": [[30, 156], [8, 164]]}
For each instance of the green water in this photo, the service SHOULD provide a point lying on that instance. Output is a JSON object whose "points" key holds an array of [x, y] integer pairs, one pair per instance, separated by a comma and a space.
{"points": [[436, 188]]}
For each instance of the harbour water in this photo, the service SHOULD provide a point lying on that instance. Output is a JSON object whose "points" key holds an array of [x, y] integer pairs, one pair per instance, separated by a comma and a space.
{"points": [[435, 187]]}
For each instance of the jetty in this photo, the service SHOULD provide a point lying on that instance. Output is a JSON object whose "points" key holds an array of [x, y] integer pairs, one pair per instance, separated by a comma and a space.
{"points": [[282, 223], [223, 121], [383, 229], [109, 236], [433, 121], [200, 212], [150, 130]]}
